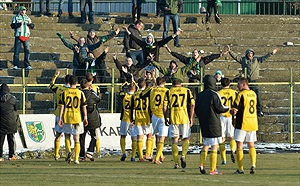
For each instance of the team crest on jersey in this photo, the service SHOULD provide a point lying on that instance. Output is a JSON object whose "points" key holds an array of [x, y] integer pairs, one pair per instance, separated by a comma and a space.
{"points": [[36, 131]]}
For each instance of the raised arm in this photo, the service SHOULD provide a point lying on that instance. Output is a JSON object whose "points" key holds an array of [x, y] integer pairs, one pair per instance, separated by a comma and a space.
{"points": [[65, 42], [265, 57]]}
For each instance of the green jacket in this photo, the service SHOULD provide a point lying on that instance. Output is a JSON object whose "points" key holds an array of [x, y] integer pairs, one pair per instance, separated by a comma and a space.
{"points": [[172, 4], [251, 66], [79, 58], [167, 72]]}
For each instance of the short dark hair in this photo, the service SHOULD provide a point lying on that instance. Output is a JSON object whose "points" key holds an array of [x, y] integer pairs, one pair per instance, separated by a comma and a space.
{"points": [[131, 87], [89, 77], [149, 83], [173, 62], [243, 80], [67, 78], [138, 22], [84, 84], [225, 82], [176, 82], [73, 80], [160, 80], [141, 82]]}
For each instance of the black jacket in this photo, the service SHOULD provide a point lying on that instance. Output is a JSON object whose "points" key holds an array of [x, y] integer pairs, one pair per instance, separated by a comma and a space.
{"points": [[133, 69], [8, 106], [203, 61], [92, 99], [130, 43], [208, 109]]}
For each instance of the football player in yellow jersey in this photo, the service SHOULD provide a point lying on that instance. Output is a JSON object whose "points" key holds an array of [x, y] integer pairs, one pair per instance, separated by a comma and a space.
{"points": [[126, 122], [72, 106], [142, 119], [58, 90], [244, 108], [228, 96], [158, 120], [179, 99]]}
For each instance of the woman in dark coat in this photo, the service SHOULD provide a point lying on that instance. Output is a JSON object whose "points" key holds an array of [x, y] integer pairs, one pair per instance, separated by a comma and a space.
{"points": [[8, 121]]}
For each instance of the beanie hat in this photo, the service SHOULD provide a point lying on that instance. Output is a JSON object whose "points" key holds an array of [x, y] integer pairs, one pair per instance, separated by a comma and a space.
{"points": [[219, 72]]}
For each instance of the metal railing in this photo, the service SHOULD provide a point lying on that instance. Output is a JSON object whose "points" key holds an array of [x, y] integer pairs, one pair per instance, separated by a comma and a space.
{"points": [[255, 7], [285, 122]]}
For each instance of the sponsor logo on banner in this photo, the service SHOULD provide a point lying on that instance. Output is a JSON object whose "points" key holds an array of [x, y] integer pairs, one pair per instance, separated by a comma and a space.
{"points": [[36, 131]]}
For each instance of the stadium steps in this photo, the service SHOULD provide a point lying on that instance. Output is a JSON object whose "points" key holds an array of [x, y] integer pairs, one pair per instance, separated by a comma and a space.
{"points": [[262, 33]]}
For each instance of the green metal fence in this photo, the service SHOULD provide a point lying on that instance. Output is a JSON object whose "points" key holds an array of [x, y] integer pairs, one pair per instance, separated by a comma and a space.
{"points": [[258, 7]]}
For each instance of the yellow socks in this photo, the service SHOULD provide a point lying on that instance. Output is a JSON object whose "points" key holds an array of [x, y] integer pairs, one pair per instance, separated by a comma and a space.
{"points": [[68, 144], [213, 160], [203, 156], [148, 147], [175, 153], [140, 148], [185, 147], [240, 157], [252, 154], [122, 144], [133, 147], [56, 147], [159, 151], [223, 151], [77, 150], [233, 145], [152, 145], [98, 147]]}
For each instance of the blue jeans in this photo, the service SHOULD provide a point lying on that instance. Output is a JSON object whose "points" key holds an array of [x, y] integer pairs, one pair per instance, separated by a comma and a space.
{"points": [[175, 23], [91, 4], [17, 48], [70, 6], [137, 55]]}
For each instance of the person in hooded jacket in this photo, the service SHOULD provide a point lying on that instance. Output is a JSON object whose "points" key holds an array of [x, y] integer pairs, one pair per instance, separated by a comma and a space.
{"points": [[150, 46], [8, 121], [93, 118], [250, 67], [208, 109]]}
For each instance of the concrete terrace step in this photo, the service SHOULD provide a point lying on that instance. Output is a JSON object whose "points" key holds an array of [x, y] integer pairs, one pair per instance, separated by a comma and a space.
{"points": [[184, 18]]}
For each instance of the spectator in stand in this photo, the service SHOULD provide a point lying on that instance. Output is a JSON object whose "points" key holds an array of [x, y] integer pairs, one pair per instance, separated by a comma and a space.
{"points": [[151, 47], [136, 10], [47, 13], [91, 4], [128, 71], [8, 121], [219, 75], [70, 8], [212, 4], [250, 67], [22, 24], [171, 10], [150, 76], [81, 50], [91, 38], [132, 49]]}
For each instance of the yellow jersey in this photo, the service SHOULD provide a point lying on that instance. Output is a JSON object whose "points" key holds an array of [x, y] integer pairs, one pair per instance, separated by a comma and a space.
{"points": [[157, 101], [227, 96], [246, 116], [72, 99], [179, 100], [126, 114], [141, 108]]}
